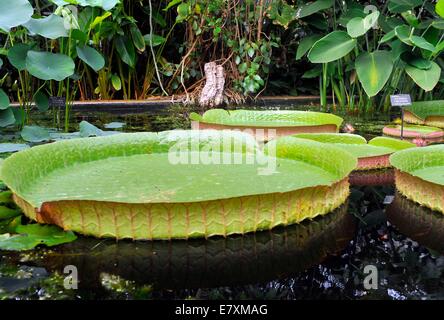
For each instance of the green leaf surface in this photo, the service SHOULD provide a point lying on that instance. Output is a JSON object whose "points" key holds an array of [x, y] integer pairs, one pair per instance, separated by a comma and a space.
{"points": [[331, 47], [374, 70], [399, 6], [267, 118], [34, 134], [17, 55], [12, 147], [41, 101], [424, 109], [4, 100], [157, 40], [51, 27], [7, 213], [137, 168], [14, 13], [426, 79], [439, 8], [306, 44], [7, 117], [313, 7], [357, 27], [49, 66], [91, 57], [125, 49]]}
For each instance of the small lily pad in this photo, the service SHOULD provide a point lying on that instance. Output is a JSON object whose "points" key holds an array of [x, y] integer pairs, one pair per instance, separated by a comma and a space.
{"points": [[35, 134], [115, 125], [12, 147]]}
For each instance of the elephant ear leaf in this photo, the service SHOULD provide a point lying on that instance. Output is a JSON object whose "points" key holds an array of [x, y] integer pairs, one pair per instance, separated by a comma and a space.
{"points": [[374, 70], [332, 47], [91, 57], [426, 79]]}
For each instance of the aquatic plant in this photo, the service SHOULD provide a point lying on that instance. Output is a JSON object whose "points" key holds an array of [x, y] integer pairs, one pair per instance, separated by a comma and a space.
{"points": [[430, 113], [419, 175], [127, 186], [372, 155], [411, 132]]}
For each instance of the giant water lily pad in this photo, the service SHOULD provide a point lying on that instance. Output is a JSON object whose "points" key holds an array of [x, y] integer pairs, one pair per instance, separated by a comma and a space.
{"points": [[420, 175], [372, 155], [267, 125], [411, 132], [177, 184], [430, 113]]}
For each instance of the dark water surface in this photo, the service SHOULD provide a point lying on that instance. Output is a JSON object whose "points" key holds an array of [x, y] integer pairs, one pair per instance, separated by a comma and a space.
{"points": [[325, 258]]}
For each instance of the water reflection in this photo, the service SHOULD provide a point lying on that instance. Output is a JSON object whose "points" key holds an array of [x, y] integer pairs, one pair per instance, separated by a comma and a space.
{"points": [[417, 222], [248, 259]]}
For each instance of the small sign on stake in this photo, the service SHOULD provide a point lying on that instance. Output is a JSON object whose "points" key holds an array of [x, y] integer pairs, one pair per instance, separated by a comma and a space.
{"points": [[57, 102], [401, 100]]}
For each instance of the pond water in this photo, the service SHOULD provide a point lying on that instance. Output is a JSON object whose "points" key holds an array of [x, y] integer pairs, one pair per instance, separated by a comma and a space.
{"points": [[321, 259]]}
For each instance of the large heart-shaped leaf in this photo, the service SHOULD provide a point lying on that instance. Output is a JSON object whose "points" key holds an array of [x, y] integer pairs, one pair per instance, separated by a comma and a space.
{"points": [[332, 47], [17, 55], [426, 79], [313, 7], [374, 69], [399, 6], [49, 66], [357, 27], [91, 57], [439, 8], [14, 13], [51, 27]]}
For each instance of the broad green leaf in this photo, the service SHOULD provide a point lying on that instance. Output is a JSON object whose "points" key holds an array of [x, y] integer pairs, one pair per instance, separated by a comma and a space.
{"points": [[183, 10], [99, 19], [399, 6], [411, 19], [104, 4], [7, 213], [31, 235], [49, 66], [357, 145], [6, 196], [422, 43], [157, 40], [403, 34], [425, 109], [138, 39], [426, 79], [34, 134], [331, 47], [357, 27], [91, 57], [14, 13], [12, 147], [313, 73], [398, 48], [439, 8], [4, 100], [306, 44], [387, 37], [420, 165], [374, 70], [41, 101], [89, 130], [171, 4], [6, 117], [137, 171], [281, 13], [1, 63], [51, 27], [17, 55], [313, 7], [79, 35], [125, 49], [416, 61]]}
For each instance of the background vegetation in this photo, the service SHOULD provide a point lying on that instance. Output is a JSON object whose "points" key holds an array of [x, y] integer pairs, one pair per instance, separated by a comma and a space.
{"points": [[358, 52]]}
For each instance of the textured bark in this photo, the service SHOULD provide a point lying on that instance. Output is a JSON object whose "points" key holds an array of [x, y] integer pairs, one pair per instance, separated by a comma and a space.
{"points": [[213, 92]]}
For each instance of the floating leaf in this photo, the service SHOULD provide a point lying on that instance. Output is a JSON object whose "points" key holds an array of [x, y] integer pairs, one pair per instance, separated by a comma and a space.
{"points": [[89, 130], [34, 134], [14, 13], [49, 66], [91, 57], [374, 70], [51, 27], [426, 79], [12, 147]]}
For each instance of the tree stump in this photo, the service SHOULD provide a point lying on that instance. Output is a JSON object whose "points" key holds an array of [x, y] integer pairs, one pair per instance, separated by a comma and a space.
{"points": [[213, 92]]}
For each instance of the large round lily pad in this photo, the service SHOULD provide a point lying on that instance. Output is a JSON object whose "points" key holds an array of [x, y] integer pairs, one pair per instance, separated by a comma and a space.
{"points": [[372, 155], [177, 184], [430, 113], [411, 132], [420, 175], [267, 125]]}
